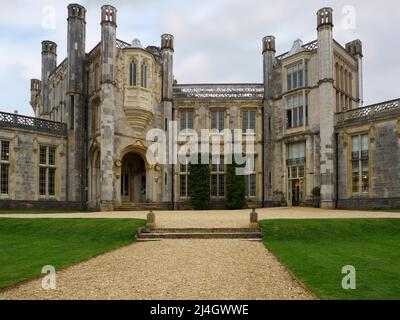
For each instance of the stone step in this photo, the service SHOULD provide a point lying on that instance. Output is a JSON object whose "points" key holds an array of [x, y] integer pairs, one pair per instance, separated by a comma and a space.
{"points": [[202, 230], [201, 235], [141, 206]]}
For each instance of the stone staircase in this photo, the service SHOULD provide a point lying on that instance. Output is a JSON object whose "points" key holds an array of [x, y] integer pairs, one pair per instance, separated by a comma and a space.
{"points": [[148, 234], [142, 206]]}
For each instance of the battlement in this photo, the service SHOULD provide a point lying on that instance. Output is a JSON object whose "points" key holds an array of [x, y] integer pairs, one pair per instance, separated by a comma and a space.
{"points": [[269, 44], [325, 17], [167, 42], [108, 15], [49, 47], [76, 11]]}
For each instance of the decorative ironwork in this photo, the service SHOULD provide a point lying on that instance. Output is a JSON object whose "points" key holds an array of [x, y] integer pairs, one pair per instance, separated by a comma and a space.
{"points": [[217, 91], [122, 44], [11, 120], [369, 111], [291, 162], [311, 46]]}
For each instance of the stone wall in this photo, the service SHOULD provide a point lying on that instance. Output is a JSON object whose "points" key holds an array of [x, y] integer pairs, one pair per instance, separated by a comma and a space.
{"points": [[24, 164], [384, 164]]}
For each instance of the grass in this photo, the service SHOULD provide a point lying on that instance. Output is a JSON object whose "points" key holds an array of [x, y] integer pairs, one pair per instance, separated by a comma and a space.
{"points": [[26, 245], [36, 211], [316, 250]]}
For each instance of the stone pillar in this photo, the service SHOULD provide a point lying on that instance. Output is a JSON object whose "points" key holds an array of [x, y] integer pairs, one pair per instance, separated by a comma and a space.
{"points": [[268, 67], [327, 105], [167, 58], [76, 102], [107, 129], [49, 64]]}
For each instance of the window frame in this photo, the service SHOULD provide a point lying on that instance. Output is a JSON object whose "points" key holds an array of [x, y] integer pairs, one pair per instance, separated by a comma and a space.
{"points": [[296, 107], [5, 167], [185, 175], [133, 74], [184, 117], [218, 171], [47, 174], [358, 157], [247, 127], [219, 120], [295, 77]]}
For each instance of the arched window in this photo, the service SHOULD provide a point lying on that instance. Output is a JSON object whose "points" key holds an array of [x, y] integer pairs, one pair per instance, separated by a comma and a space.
{"points": [[143, 77], [132, 74]]}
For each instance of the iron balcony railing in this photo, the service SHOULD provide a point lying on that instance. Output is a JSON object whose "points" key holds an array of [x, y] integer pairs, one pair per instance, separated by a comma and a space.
{"points": [[11, 120]]}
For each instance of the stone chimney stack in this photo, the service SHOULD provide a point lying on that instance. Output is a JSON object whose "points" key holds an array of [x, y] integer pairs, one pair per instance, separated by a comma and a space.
{"points": [[269, 58], [107, 109], [76, 102], [355, 49], [327, 106], [268, 51], [167, 58], [49, 64]]}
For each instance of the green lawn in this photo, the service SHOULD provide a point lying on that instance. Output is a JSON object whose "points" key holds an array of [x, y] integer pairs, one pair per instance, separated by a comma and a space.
{"points": [[26, 245], [35, 211], [316, 250]]}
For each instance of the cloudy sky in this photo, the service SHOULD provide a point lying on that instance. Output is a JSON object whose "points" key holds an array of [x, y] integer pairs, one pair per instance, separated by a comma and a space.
{"points": [[215, 40]]}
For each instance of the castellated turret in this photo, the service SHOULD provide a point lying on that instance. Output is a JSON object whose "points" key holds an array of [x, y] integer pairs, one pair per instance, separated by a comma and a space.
{"points": [[49, 64]]}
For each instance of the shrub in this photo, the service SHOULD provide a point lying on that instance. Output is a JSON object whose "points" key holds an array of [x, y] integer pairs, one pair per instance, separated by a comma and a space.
{"points": [[235, 188], [199, 186], [316, 192]]}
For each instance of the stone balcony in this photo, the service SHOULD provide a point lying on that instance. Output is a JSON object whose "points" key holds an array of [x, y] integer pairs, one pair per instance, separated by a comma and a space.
{"points": [[16, 121]]}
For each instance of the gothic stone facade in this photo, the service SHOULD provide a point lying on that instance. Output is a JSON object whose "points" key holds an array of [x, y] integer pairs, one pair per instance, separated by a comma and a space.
{"points": [[86, 147]]}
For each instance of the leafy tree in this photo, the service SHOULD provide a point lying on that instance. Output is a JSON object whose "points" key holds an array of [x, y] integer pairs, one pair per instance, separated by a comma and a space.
{"points": [[199, 186], [235, 188]]}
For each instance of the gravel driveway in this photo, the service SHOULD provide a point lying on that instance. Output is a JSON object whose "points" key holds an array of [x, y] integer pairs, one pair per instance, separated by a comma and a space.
{"points": [[173, 269]]}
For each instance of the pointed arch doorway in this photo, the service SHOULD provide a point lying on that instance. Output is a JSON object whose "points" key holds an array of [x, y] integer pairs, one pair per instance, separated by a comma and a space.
{"points": [[133, 178]]}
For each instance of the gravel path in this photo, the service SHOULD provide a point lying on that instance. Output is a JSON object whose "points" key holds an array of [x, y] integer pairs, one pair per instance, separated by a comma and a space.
{"points": [[173, 269]]}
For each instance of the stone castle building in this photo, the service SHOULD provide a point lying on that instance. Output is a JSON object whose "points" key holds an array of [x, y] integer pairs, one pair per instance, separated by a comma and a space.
{"points": [[86, 146]]}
